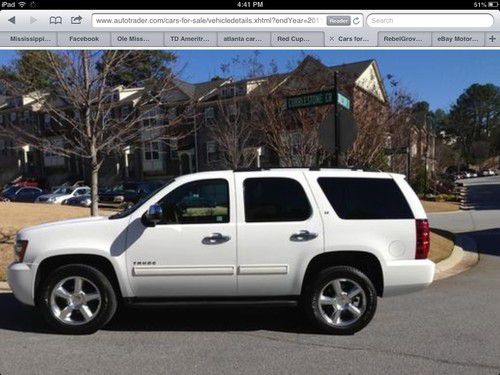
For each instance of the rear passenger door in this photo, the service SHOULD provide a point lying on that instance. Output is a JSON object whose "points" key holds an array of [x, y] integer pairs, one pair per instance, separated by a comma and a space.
{"points": [[279, 231]]}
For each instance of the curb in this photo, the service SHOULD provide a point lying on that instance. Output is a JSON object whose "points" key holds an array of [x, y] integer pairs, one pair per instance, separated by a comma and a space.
{"points": [[460, 260], [4, 287]]}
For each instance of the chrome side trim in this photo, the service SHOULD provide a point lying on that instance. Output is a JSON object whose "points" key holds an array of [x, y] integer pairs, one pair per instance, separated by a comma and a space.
{"points": [[182, 270], [261, 269]]}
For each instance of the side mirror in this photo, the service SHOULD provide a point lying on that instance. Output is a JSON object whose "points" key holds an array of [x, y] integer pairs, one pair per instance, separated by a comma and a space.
{"points": [[154, 215]]}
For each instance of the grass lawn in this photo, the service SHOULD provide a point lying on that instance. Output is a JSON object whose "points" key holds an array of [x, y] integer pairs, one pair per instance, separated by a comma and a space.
{"points": [[440, 206], [442, 244]]}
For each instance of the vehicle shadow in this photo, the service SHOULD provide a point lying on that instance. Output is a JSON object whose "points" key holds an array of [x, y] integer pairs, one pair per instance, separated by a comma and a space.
{"points": [[15, 316], [486, 242]]}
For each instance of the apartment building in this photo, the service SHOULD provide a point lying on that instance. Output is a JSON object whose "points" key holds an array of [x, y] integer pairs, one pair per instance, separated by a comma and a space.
{"points": [[193, 107]]}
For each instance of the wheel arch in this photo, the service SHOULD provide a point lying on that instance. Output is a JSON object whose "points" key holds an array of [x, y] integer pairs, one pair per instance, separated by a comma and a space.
{"points": [[366, 262], [99, 262]]}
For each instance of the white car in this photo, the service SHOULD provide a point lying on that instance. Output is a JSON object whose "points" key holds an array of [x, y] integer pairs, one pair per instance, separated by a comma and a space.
{"points": [[332, 239], [62, 193]]}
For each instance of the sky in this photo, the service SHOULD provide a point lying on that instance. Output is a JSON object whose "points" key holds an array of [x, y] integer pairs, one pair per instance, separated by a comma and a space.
{"points": [[435, 76]]}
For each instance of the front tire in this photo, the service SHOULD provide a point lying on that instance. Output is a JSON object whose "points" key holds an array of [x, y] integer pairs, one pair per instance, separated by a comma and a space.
{"points": [[77, 299], [340, 300]]}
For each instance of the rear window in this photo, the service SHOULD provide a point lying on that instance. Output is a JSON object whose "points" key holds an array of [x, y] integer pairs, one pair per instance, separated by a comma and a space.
{"points": [[365, 198], [275, 199]]}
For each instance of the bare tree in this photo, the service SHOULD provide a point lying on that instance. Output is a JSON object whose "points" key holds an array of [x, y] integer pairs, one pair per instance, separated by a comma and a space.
{"points": [[380, 125], [83, 106], [234, 134], [291, 134]]}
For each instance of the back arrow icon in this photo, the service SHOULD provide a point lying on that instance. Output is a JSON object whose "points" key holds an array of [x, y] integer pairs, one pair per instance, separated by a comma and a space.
{"points": [[12, 20]]}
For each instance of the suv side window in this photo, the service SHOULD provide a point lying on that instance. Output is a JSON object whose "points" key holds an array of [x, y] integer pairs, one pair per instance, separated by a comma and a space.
{"points": [[365, 198], [197, 202], [272, 199]]}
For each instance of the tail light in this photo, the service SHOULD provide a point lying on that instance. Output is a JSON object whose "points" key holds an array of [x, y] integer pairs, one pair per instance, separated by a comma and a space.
{"points": [[423, 239]]}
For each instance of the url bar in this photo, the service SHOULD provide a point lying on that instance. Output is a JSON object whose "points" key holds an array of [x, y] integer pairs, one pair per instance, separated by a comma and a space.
{"points": [[429, 20], [192, 20]]}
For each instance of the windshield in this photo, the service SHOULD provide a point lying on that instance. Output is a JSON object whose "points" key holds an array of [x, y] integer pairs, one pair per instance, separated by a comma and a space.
{"points": [[11, 190], [126, 187], [63, 190], [134, 208]]}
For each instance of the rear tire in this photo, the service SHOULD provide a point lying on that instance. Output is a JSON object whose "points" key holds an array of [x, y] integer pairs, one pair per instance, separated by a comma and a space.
{"points": [[77, 299], [340, 300]]}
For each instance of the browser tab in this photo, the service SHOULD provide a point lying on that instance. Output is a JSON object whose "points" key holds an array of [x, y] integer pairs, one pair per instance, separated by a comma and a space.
{"points": [[404, 39], [82, 39]]}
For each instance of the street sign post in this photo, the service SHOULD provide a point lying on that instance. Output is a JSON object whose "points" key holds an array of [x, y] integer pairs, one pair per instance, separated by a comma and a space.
{"points": [[338, 131], [348, 130]]}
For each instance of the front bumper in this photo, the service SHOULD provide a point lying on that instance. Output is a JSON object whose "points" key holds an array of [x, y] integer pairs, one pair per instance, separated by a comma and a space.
{"points": [[407, 276], [20, 277]]}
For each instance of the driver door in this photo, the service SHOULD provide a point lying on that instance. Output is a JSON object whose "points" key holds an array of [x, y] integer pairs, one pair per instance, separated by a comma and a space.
{"points": [[192, 251]]}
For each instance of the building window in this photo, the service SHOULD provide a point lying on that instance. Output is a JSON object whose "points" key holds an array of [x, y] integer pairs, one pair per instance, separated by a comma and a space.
{"points": [[232, 110], [151, 117], [52, 159], [26, 116], [13, 117], [228, 92], [174, 149], [3, 148], [209, 115], [152, 151], [151, 156], [172, 114], [125, 110], [211, 152]]}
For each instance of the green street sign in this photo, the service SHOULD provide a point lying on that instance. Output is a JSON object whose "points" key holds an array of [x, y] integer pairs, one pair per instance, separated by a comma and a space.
{"points": [[309, 100], [344, 101], [316, 99], [396, 151]]}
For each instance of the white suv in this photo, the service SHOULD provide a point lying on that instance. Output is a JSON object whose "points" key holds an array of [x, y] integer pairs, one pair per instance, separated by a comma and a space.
{"points": [[331, 240]]}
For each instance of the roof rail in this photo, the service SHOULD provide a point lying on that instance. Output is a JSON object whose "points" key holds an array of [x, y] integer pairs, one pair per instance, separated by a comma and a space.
{"points": [[353, 168]]}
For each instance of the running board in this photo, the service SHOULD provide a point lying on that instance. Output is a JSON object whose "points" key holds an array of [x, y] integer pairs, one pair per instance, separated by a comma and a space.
{"points": [[288, 301]]}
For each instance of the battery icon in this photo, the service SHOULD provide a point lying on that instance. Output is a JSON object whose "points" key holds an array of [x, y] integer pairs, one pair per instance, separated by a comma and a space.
{"points": [[492, 4]]}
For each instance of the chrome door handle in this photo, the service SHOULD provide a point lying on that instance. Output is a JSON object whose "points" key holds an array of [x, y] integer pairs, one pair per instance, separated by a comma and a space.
{"points": [[303, 235], [214, 239]]}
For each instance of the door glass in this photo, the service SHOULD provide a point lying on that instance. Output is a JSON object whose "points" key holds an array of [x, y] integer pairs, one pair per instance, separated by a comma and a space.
{"points": [[197, 202], [275, 199]]}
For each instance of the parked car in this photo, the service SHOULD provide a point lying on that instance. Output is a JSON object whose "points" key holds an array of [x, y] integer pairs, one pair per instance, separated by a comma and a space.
{"points": [[126, 194], [334, 240], [487, 172], [81, 200], [63, 193], [25, 182], [20, 194]]}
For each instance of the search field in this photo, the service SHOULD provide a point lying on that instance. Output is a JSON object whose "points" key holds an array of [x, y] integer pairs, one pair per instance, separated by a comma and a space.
{"points": [[429, 20]]}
